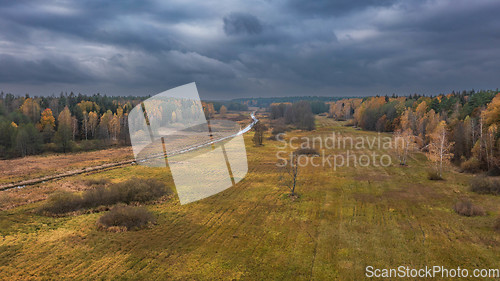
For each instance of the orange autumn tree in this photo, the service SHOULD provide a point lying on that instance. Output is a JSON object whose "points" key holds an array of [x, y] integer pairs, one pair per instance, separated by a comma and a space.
{"points": [[31, 108], [47, 125], [492, 112], [208, 109], [486, 147], [47, 121]]}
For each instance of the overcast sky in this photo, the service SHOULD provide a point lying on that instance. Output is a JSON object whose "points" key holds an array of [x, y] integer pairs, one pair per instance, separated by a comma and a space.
{"points": [[249, 48]]}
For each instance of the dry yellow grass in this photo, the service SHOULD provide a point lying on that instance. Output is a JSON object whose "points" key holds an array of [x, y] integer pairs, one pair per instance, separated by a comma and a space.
{"points": [[19, 169], [343, 221]]}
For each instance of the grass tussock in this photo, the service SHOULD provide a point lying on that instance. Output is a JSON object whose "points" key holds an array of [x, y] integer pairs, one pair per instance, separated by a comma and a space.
{"points": [[485, 185], [434, 176], [133, 190], [465, 207], [123, 218], [307, 151]]}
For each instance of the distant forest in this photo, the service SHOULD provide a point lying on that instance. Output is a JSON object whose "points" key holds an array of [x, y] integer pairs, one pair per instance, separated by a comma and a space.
{"points": [[462, 127], [70, 122], [266, 102], [466, 122]]}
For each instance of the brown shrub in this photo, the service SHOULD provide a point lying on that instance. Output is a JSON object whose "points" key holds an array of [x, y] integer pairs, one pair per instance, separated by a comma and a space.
{"points": [[96, 182], [434, 176], [278, 127], [122, 218], [471, 165], [133, 190], [306, 151], [465, 207], [485, 185], [62, 202], [239, 117], [138, 190]]}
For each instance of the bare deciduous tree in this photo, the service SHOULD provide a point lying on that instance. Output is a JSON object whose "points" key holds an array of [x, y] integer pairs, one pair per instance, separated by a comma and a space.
{"points": [[440, 147], [258, 137], [404, 142], [290, 173]]}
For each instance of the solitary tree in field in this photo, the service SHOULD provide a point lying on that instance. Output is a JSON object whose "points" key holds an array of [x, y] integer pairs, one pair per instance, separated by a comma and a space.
{"points": [[290, 173], [440, 147], [258, 137]]}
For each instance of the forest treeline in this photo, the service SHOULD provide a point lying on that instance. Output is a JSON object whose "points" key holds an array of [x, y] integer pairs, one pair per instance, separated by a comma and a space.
{"points": [[460, 127], [69, 122], [267, 102]]}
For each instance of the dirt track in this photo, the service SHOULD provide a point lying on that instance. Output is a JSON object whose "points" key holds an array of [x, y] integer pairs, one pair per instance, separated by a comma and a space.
{"points": [[113, 165]]}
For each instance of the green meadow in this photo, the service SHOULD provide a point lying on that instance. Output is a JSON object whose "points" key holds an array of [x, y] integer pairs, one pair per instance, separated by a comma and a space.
{"points": [[342, 221]]}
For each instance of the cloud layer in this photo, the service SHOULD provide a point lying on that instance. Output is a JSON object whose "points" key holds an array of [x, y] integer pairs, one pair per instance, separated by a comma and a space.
{"points": [[249, 48]]}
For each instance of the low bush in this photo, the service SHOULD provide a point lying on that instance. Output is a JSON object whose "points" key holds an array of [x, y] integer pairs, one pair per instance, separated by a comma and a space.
{"points": [[306, 151], [133, 190], [125, 218], [485, 185], [434, 176], [62, 202], [465, 207], [88, 145], [494, 172], [52, 147], [278, 130], [137, 190], [350, 123], [278, 127], [237, 118], [471, 165]]}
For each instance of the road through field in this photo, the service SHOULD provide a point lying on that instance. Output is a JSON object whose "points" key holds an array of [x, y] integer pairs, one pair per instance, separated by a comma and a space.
{"points": [[20, 184]]}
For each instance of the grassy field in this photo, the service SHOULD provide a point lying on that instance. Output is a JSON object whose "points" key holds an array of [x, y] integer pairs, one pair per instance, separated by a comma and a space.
{"points": [[343, 221], [19, 169]]}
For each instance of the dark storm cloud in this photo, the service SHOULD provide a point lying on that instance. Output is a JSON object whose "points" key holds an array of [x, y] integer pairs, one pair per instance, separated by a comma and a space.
{"points": [[240, 23], [334, 7], [63, 70], [272, 48]]}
